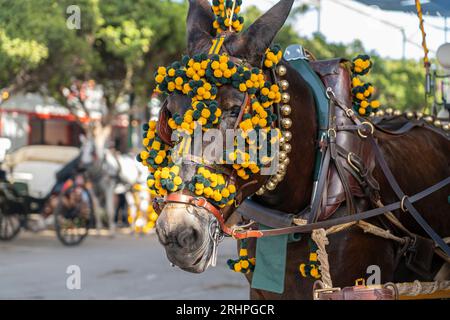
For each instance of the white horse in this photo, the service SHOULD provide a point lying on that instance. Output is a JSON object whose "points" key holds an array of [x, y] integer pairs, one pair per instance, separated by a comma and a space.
{"points": [[109, 171]]}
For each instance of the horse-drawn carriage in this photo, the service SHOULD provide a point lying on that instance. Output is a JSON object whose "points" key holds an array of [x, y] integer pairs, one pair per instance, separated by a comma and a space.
{"points": [[40, 185]]}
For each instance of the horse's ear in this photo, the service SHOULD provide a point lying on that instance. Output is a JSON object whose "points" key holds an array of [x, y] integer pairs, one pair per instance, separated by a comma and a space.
{"points": [[200, 28], [253, 43]]}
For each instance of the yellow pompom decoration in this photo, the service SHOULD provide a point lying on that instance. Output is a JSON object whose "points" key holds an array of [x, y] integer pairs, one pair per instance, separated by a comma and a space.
{"points": [[244, 263], [199, 77], [311, 269]]}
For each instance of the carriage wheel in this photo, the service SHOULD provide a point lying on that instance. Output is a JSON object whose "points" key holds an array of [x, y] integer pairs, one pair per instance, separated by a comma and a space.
{"points": [[9, 225], [74, 216]]}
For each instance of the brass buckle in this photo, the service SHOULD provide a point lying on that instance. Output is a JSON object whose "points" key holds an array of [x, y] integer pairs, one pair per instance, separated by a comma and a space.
{"points": [[235, 229], [317, 292], [360, 282], [322, 289], [330, 93], [331, 130], [350, 113], [402, 203], [350, 162], [372, 129]]}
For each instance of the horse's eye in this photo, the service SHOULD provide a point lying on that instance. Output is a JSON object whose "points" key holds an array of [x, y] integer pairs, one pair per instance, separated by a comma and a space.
{"points": [[235, 111]]}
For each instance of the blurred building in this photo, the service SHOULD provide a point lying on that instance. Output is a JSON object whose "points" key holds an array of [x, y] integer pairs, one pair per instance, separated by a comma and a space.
{"points": [[34, 119], [30, 118]]}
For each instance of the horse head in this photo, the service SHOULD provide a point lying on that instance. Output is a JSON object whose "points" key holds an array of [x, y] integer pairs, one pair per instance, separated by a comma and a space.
{"points": [[93, 145], [185, 228]]}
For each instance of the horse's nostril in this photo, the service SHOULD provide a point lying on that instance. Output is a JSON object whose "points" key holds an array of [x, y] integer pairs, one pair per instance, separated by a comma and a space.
{"points": [[187, 237]]}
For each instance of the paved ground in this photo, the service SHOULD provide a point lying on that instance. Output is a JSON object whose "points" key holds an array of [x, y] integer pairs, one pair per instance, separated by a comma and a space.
{"points": [[33, 266]]}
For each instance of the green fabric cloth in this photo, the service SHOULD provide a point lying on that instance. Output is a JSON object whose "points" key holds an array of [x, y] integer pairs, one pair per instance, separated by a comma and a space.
{"points": [[270, 265], [271, 252], [322, 103]]}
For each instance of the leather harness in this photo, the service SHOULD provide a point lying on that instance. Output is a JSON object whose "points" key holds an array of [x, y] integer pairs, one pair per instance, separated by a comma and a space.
{"points": [[330, 150], [404, 203]]}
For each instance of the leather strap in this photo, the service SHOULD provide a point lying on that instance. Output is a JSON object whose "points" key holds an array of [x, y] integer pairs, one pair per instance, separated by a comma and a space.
{"points": [[201, 202], [314, 213], [244, 105], [243, 234], [408, 126], [359, 216], [406, 202]]}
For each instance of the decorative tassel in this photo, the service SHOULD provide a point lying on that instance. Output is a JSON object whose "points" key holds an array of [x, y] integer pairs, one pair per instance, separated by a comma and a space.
{"points": [[362, 92], [243, 264], [273, 56], [311, 269]]}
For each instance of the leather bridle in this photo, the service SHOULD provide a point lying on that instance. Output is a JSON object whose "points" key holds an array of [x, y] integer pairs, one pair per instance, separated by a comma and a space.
{"points": [[165, 133], [200, 202], [231, 178]]}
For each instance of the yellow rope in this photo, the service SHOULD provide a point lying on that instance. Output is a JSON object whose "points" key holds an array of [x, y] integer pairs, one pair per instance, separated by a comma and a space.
{"points": [[232, 14], [426, 61]]}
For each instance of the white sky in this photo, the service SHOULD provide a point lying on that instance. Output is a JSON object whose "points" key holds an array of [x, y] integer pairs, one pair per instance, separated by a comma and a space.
{"points": [[339, 23]]}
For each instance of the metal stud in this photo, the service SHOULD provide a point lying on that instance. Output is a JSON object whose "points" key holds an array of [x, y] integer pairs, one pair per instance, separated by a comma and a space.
{"points": [[287, 135], [286, 110], [437, 123], [446, 127], [419, 115], [281, 70], [284, 84], [429, 119], [389, 111], [286, 161], [260, 191], [410, 115], [380, 113], [282, 155], [287, 147], [397, 112], [282, 167], [286, 123], [271, 186], [274, 179], [285, 97], [280, 175]]}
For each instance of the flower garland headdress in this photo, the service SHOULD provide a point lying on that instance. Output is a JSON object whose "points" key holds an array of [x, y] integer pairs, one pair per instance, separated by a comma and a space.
{"points": [[199, 77]]}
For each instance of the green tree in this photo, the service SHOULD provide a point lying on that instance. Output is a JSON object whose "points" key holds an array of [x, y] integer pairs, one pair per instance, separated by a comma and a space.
{"points": [[62, 53], [117, 43], [399, 84], [121, 42]]}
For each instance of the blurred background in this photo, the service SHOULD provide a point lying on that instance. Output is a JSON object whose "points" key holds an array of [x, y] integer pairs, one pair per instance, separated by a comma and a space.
{"points": [[76, 85]]}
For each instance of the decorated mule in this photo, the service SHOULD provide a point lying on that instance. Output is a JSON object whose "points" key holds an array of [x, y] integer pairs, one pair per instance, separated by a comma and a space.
{"points": [[338, 189]]}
